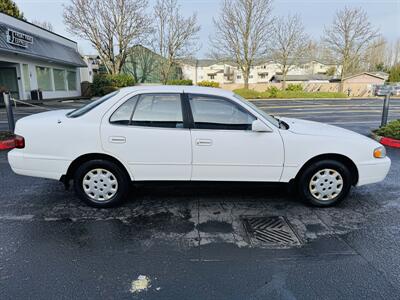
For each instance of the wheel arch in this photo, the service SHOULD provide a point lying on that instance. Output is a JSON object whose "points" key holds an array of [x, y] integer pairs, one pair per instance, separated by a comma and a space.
{"points": [[92, 156], [332, 156]]}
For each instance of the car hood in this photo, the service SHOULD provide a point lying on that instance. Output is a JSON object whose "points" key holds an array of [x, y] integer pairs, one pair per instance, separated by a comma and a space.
{"points": [[318, 129]]}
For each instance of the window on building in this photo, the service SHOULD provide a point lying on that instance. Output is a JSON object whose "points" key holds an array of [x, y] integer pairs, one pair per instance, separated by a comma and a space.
{"points": [[27, 78], [212, 77], [239, 77], [262, 76], [71, 79], [251, 76], [43, 76], [59, 79]]}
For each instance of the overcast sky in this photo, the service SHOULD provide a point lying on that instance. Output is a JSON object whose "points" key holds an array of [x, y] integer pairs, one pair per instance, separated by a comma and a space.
{"points": [[384, 14]]}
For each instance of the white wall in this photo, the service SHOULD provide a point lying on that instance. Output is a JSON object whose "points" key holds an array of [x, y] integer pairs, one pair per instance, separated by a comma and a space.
{"points": [[32, 63]]}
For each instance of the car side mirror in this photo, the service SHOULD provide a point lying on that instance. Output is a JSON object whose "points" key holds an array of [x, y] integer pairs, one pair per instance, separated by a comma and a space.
{"points": [[259, 126]]}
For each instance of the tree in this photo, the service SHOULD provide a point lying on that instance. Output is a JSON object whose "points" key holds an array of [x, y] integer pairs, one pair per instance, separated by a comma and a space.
{"points": [[242, 32], [348, 37], [174, 36], [10, 8], [46, 25], [394, 74], [289, 44], [375, 56], [112, 27]]}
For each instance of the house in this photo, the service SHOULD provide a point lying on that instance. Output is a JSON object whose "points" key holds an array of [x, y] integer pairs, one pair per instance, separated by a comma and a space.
{"points": [[308, 78], [366, 78], [33, 58], [264, 70], [93, 67]]}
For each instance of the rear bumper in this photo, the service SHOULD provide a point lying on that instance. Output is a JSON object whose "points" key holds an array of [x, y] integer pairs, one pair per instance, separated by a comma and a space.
{"points": [[374, 171], [37, 166]]}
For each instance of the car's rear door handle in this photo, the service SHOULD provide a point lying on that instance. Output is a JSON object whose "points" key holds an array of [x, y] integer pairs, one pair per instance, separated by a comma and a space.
{"points": [[117, 139], [203, 142]]}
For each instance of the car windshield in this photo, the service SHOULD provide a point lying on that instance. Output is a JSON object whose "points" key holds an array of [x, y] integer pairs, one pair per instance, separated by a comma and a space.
{"points": [[268, 117], [88, 107]]}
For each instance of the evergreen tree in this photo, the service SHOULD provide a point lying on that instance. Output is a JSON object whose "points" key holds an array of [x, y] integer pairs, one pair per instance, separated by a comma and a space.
{"points": [[395, 74], [10, 8]]}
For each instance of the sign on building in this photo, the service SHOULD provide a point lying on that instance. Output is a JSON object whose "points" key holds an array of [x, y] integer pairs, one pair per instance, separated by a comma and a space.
{"points": [[18, 38]]}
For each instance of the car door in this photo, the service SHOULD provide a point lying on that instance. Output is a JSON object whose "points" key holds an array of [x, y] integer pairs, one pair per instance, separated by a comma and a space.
{"points": [[147, 132], [224, 146]]}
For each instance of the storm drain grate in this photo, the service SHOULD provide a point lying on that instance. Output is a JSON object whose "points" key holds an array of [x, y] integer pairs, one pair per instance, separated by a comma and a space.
{"points": [[274, 230]]}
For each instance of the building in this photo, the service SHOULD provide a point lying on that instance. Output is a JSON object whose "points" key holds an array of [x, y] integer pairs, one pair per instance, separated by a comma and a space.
{"points": [[33, 58], [93, 67], [367, 78], [263, 71]]}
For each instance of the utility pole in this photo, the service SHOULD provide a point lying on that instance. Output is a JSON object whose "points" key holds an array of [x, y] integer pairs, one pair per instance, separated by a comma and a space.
{"points": [[385, 110]]}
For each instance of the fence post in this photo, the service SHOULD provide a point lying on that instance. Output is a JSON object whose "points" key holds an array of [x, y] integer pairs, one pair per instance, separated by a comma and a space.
{"points": [[385, 110], [10, 115]]}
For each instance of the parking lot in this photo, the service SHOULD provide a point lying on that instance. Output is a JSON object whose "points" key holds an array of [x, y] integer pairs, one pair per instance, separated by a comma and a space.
{"points": [[191, 240]]}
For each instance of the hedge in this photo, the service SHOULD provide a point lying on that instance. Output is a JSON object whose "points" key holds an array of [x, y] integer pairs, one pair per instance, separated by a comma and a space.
{"points": [[391, 130], [212, 84], [107, 83], [180, 82], [273, 92]]}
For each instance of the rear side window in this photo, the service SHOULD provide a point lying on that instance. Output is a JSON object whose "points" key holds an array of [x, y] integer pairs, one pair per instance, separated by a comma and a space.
{"points": [[88, 107], [123, 114], [211, 112], [150, 110]]}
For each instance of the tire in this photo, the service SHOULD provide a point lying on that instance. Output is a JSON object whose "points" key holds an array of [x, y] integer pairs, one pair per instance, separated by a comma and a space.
{"points": [[101, 183], [325, 183]]}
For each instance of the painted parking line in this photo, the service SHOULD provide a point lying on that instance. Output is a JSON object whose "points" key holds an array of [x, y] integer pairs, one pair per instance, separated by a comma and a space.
{"points": [[342, 112]]}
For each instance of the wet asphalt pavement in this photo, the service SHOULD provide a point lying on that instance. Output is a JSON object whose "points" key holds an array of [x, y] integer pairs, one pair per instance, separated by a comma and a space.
{"points": [[188, 239]]}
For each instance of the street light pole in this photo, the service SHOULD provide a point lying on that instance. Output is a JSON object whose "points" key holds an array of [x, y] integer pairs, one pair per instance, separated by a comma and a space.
{"points": [[385, 110], [10, 115]]}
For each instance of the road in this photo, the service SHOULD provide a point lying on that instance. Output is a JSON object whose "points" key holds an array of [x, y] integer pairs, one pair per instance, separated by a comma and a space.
{"points": [[188, 239]]}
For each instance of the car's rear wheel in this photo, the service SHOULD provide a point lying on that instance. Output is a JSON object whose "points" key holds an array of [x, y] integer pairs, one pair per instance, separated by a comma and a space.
{"points": [[101, 183], [325, 183]]}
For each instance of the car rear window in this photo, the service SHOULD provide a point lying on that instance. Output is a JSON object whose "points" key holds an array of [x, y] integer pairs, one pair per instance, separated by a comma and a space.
{"points": [[88, 107]]}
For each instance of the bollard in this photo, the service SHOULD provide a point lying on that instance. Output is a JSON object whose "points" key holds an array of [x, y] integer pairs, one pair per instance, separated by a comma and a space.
{"points": [[385, 110], [10, 115]]}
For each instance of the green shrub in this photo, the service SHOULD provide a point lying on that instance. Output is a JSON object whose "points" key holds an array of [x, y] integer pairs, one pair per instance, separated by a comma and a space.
{"points": [[212, 84], [391, 130], [180, 82], [248, 94], [272, 91], [107, 83], [294, 87]]}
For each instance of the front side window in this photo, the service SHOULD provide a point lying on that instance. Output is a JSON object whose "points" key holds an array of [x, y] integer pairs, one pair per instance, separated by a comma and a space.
{"points": [[218, 113]]}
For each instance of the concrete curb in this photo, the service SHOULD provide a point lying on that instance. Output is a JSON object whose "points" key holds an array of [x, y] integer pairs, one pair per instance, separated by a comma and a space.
{"points": [[393, 143]]}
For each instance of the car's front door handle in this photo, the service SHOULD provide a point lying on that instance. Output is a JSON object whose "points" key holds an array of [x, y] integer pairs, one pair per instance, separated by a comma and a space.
{"points": [[117, 139], [203, 142]]}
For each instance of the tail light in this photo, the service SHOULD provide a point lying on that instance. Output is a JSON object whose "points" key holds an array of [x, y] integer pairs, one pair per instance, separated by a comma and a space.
{"points": [[19, 142]]}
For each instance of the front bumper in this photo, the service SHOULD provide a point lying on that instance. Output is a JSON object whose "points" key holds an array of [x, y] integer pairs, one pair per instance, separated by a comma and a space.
{"points": [[373, 171]]}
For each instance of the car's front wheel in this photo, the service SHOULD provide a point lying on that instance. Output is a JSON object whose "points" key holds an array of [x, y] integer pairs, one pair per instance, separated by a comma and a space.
{"points": [[325, 183], [101, 183]]}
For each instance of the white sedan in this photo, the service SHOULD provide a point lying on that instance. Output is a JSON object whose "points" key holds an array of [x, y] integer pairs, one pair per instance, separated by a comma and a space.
{"points": [[176, 133]]}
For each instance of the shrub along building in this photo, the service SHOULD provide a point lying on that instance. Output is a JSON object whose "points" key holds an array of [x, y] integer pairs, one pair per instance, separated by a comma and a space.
{"points": [[33, 58]]}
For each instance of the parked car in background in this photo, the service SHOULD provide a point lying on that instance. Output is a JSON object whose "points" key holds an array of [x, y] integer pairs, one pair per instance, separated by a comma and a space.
{"points": [[182, 133], [383, 90]]}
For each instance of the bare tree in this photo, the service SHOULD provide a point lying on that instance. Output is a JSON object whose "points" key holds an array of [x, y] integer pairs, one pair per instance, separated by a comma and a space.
{"points": [[348, 37], [111, 26], [375, 55], [46, 25], [242, 32], [174, 36], [290, 44]]}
